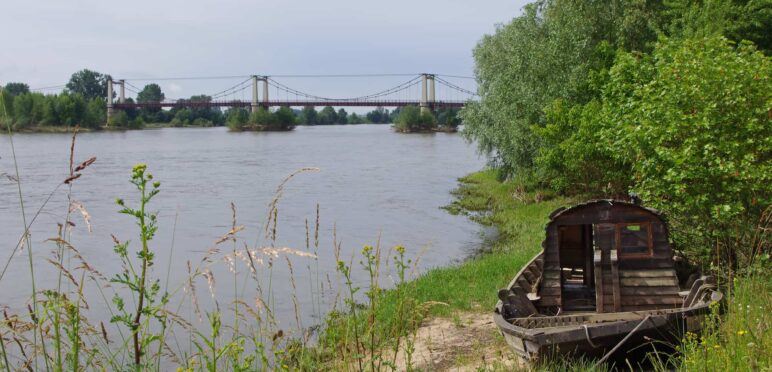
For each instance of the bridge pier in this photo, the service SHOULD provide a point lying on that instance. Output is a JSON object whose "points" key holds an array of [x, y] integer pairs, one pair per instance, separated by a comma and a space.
{"points": [[427, 92], [109, 99]]}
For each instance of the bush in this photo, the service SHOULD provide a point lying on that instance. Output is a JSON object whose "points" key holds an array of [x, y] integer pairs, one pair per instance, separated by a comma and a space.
{"points": [[413, 119], [693, 123]]}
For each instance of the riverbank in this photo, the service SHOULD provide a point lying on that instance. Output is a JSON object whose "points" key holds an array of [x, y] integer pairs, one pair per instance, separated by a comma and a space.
{"points": [[452, 327]]}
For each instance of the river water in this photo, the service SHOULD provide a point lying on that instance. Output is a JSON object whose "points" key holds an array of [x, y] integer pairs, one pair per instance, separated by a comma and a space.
{"points": [[371, 184]]}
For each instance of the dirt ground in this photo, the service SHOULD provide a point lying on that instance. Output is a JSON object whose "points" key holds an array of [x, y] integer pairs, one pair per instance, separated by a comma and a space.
{"points": [[464, 342]]}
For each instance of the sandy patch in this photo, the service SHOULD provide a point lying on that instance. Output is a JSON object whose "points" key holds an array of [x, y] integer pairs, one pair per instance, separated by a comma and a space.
{"points": [[464, 342]]}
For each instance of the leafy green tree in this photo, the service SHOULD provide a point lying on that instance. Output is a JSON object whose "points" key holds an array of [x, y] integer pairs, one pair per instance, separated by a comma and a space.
{"points": [[448, 117], [378, 116], [308, 116], [89, 84], [15, 89], [552, 51], [284, 119], [693, 123], [413, 119], [96, 112], [327, 116], [354, 118], [342, 116], [151, 93]]}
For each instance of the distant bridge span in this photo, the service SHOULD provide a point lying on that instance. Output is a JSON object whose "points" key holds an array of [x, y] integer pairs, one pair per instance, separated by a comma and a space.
{"points": [[291, 103], [396, 96]]}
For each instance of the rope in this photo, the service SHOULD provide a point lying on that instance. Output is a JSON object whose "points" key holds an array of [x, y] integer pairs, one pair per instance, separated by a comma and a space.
{"points": [[587, 334], [618, 345]]}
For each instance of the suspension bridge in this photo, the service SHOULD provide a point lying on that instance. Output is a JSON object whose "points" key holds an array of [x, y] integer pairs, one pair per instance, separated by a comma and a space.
{"points": [[428, 91]]}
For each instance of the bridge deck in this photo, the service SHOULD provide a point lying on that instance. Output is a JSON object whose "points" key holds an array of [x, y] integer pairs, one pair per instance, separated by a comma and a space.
{"points": [[436, 104]]}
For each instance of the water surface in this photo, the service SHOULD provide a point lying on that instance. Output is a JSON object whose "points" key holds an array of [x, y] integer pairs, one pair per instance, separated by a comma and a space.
{"points": [[372, 184]]}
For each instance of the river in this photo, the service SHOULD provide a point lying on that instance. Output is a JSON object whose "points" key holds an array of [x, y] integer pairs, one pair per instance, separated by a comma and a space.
{"points": [[371, 184]]}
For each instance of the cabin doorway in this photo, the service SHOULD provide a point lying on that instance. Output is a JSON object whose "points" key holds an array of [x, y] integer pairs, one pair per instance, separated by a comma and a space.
{"points": [[576, 267]]}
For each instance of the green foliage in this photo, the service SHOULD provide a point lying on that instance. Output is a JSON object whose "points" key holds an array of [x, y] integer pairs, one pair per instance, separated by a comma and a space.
{"points": [[15, 89], [448, 117], [342, 117], [134, 278], [378, 116], [89, 84], [282, 119], [573, 158], [693, 123], [550, 52], [737, 341], [328, 115], [414, 119]]}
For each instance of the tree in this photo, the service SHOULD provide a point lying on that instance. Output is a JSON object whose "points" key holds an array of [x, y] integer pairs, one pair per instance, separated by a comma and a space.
{"points": [[342, 116], [151, 93], [15, 89], [555, 50], [89, 84], [692, 120], [327, 116], [413, 119], [308, 115], [354, 118]]}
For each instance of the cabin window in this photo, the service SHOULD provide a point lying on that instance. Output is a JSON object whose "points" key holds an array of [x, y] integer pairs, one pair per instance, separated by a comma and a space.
{"points": [[634, 240]]}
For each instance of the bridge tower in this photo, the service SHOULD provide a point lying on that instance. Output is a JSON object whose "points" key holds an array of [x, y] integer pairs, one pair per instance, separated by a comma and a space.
{"points": [[427, 92], [253, 105], [265, 91], [122, 94], [109, 99]]}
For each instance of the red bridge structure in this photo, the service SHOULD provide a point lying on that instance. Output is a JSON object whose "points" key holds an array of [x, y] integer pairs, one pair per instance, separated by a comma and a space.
{"points": [[451, 95]]}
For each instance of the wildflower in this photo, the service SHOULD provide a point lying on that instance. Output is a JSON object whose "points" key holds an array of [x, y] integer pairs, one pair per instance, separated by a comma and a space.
{"points": [[400, 249], [716, 346], [741, 332], [366, 250]]}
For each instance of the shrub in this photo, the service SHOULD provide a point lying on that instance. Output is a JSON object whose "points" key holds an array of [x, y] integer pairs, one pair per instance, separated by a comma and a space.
{"points": [[693, 123]]}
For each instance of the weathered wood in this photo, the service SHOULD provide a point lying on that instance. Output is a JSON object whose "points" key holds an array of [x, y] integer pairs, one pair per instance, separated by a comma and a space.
{"points": [[652, 300], [615, 281], [659, 273], [599, 306], [649, 282]]}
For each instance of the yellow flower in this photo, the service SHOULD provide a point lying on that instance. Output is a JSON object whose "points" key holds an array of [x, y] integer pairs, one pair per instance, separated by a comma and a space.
{"points": [[717, 346], [741, 333]]}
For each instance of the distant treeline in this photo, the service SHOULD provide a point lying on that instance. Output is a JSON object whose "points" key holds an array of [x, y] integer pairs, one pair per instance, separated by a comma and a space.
{"points": [[83, 103]]}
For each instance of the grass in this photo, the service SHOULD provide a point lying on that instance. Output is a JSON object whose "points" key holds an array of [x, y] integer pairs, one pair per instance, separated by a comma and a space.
{"points": [[367, 326], [739, 339]]}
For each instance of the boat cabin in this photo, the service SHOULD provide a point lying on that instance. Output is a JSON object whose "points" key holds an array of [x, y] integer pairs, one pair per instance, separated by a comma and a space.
{"points": [[606, 256]]}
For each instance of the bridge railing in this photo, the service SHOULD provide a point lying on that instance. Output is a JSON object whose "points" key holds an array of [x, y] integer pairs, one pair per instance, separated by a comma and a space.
{"points": [[292, 103]]}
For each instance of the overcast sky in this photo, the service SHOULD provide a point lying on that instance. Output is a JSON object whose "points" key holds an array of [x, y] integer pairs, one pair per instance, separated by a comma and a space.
{"points": [[46, 41]]}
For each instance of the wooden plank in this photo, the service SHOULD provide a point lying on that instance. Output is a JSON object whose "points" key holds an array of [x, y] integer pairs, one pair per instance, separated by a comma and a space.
{"points": [[651, 263], [551, 275], [648, 282], [615, 281], [598, 268], [647, 273], [548, 301], [651, 300], [644, 291], [550, 283]]}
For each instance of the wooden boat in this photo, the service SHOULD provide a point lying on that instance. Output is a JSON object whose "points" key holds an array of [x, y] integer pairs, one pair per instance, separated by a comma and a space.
{"points": [[604, 284]]}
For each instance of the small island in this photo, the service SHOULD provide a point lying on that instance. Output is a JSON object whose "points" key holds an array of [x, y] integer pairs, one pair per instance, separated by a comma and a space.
{"points": [[412, 119]]}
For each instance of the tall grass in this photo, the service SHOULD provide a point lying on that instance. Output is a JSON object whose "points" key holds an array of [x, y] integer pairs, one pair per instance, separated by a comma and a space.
{"points": [[147, 327]]}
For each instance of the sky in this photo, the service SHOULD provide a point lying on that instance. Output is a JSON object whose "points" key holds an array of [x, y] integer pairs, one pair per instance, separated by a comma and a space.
{"points": [[47, 40]]}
